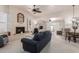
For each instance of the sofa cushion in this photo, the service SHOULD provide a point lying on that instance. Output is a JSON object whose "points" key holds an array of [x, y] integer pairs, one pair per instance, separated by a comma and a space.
{"points": [[1, 41], [39, 36], [4, 39]]}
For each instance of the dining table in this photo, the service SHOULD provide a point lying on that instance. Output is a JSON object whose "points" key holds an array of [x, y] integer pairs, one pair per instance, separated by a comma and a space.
{"points": [[73, 35]]}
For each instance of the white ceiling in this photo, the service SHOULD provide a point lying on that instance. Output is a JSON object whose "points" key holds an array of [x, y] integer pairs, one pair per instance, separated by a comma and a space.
{"points": [[46, 9]]}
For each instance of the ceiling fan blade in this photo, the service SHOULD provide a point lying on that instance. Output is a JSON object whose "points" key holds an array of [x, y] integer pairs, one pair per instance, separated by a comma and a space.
{"points": [[36, 10], [39, 11]]}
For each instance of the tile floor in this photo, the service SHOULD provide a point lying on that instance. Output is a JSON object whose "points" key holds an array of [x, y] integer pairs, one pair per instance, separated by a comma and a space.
{"points": [[57, 45]]}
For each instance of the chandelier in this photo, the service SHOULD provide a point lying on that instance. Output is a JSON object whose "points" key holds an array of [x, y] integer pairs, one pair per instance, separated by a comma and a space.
{"points": [[74, 20]]}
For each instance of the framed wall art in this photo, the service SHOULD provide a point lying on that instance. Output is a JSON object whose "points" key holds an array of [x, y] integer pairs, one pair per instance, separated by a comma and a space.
{"points": [[20, 18]]}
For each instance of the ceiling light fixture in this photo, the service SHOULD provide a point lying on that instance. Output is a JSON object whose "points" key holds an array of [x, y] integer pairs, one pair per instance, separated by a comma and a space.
{"points": [[36, 9], [74, 21], [73, 18]]}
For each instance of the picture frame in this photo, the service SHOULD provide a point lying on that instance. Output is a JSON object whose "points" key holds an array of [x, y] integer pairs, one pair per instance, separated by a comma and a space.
{"points": [[20, 18]]}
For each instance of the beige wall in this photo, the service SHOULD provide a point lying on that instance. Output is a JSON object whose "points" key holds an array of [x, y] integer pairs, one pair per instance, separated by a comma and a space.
{"points": [[67, 15], [13, 11]]}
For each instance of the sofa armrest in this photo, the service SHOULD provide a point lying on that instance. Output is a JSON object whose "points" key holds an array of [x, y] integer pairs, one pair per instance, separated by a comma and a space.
{"points": [[29, 45], [28, 41]]}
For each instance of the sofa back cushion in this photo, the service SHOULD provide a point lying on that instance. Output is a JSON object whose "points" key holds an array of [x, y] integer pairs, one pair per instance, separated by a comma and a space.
{"points": [[39, 36], [1, 39]]}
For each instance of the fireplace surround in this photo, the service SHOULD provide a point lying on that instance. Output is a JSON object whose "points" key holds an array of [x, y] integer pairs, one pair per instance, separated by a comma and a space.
{"points": [[20, 29]]}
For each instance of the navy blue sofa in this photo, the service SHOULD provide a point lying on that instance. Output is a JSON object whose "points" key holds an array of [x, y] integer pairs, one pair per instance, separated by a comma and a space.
{"points": [[3, 40], [38, 42]]}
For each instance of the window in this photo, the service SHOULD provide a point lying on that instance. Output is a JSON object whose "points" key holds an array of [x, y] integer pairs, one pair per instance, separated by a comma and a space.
{"points": [[3, 22]]}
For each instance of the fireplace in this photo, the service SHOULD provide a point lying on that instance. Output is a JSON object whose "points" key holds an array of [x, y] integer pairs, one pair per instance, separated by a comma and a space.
{"points": [[20, 29]]}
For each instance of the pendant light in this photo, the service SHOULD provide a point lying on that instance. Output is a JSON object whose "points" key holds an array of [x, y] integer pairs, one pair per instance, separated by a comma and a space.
{"points": [[73, 18], [74, 21]]}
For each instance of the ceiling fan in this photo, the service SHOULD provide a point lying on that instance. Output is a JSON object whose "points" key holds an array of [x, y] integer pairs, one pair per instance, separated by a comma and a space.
{"points": [[36, 9]]}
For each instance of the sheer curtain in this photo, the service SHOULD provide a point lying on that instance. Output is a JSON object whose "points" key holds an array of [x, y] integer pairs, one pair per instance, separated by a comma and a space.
{"points": [[3, 22]]}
